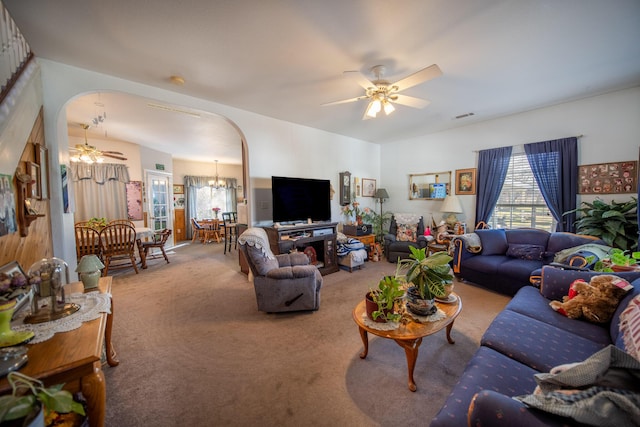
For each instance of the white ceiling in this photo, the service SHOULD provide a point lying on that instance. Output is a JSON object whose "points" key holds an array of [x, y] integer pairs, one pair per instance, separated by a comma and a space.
{"points": [[284, 58]]}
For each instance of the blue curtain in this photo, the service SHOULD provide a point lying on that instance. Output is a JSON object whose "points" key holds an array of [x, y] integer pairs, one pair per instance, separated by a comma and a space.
{"points": [[492, 168], [555, 167]]}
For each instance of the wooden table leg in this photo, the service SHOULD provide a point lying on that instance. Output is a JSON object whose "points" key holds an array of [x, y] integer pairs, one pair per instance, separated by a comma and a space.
{"points": [[365, 341], [112, 357], [94, 390], [411, 351], [449, 327]]}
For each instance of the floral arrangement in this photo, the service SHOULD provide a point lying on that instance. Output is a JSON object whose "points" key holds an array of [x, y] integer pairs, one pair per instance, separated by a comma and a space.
{"points": [[215, 211], [351, 210], [97, 223]]}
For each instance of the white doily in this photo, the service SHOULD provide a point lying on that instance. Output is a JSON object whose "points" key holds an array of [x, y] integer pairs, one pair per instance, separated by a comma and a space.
{"points": [[438, 315], [380, 326], [92, 305]]}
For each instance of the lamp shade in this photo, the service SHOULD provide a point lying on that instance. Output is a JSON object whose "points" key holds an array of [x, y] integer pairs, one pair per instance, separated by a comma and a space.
{"points": [[381, 193], [89, 264], [451, 204]]}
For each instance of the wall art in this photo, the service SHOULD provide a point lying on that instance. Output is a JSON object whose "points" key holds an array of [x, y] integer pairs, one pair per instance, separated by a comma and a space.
{"points": [[608, 178]]}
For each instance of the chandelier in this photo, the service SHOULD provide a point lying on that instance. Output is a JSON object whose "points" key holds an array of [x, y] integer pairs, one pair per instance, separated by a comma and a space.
{"points": [[216, 183]]}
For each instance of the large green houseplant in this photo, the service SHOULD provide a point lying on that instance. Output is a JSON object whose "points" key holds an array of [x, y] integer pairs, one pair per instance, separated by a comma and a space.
{"points": [[615, 223], [429, 276]]}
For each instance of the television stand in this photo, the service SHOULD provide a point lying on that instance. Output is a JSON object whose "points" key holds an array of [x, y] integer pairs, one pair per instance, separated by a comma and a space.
{"points": [[320, 237]]}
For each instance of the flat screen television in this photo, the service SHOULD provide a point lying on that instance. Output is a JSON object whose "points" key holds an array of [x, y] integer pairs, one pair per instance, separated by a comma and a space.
{"points": [[298, 199]]}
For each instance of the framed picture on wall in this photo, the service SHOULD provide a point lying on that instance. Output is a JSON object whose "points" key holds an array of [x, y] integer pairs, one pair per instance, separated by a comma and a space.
{"points": [[34, 186], [466, 181], [42, 159], [178, 189], [368, 187], [608, 178]]}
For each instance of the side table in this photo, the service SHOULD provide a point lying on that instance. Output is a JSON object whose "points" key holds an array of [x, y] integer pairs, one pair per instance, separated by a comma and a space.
{"points": [[367, 239]]}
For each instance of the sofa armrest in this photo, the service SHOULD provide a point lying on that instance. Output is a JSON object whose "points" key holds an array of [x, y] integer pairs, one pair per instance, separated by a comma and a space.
{"points": [[289, 260], [490, 408], [555, 282], [460, 253], [388, 237]]}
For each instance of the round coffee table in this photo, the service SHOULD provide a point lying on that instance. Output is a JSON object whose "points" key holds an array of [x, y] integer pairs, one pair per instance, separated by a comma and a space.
{"points": [[409, 336]]}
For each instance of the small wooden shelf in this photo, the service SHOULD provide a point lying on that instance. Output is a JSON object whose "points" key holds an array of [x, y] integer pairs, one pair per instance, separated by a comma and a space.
{"points": [[24, 217]]}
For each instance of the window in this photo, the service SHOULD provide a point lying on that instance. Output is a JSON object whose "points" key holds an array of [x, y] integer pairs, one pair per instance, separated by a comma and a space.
{"points": [[208, 198], [520, 203]]}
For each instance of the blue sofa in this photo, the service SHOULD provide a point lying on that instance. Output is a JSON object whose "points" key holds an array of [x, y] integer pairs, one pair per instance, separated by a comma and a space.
{"points": [[526, 338], [508, 257]]}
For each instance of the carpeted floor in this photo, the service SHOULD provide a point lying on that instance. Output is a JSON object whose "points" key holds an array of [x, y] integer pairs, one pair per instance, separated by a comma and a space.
{"points": [[194, 351]]}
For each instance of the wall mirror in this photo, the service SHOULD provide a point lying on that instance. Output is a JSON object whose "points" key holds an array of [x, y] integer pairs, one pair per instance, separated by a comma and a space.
{"points": [[429, 186]]}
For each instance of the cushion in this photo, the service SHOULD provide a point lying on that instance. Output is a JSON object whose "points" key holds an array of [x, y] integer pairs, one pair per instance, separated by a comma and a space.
{"points": [[262, 263], [630, 327], [524, 251], [407, 232], [494, 242]]}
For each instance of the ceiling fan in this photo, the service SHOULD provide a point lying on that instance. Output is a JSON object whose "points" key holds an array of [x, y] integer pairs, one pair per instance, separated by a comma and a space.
{"points": [[90, 154], [382, 94]]}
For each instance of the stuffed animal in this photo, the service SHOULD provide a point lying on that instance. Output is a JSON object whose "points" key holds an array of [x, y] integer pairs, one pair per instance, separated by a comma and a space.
{"points": [[595, 301]]}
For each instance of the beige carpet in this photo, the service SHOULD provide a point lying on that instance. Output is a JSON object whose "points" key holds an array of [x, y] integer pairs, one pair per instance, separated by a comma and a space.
{"points": [[195, 351]]}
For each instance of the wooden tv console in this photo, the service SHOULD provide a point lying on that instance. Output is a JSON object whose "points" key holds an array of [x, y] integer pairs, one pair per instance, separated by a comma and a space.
{"points": [[319, 236]]}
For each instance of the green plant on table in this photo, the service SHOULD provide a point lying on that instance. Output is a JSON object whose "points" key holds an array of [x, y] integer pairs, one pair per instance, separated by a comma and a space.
{"points": [[97, 223], [429, 274], [377, 221], [615, 223], [29, 394], [388, 293], [616, 257]]}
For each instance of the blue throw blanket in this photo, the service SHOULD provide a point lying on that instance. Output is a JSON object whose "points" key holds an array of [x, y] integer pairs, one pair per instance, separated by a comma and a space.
{"points": [[350, 245]]}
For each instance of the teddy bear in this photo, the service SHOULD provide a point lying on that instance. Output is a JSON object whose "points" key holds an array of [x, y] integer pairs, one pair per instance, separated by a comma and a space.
{"points": [[595, 301]]}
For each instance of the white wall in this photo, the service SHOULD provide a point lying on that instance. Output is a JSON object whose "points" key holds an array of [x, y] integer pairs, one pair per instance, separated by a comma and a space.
{"points": [[610, 125], [274, 147]]}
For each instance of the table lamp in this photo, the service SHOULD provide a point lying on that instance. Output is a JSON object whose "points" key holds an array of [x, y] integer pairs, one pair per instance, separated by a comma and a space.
{"points": [[451, 205], [89, 268]]}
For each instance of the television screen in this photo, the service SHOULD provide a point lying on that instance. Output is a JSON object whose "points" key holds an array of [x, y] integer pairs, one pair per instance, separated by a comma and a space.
{"points": [[297, 199]]}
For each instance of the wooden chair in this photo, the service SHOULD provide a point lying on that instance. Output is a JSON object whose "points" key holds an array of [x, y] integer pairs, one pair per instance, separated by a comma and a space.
{"points": [[118, 243], [200, 232], [159, 240], [87, 241], [230, 223], [121, 221]]}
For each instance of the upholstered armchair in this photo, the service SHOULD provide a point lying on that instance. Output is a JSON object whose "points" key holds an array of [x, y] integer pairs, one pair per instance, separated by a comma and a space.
{"points": [[405, 230], [285, 282]]}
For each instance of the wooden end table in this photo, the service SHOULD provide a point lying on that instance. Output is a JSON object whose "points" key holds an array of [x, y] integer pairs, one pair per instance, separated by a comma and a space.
{"points": [[73, 358], [409, 336]]}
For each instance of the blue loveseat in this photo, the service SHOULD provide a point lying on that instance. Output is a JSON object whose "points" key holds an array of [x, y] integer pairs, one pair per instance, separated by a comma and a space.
{"points": [[526, 338], [505, 259]]}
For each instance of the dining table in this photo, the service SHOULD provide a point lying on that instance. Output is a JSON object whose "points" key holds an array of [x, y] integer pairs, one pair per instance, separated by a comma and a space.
{"points": [[143, 233]]}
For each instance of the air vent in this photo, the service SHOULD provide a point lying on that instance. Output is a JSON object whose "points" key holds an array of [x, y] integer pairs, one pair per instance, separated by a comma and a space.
{"points": [[462, 116]]}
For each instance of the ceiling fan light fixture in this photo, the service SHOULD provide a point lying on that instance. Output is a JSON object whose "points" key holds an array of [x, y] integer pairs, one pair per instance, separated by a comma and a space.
{"points": [[388, 107], [374, 108]]}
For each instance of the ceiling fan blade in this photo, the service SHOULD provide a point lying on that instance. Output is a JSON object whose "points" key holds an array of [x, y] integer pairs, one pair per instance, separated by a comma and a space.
{"points": [[345, 101], [112, 152], [410, 101], [431, 72], [114, 156], [360, 78]]}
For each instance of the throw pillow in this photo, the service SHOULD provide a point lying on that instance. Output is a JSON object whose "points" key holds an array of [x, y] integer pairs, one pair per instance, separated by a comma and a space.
{"points": [[521, 251], [494, 242], [407, 232], [630, 327]]}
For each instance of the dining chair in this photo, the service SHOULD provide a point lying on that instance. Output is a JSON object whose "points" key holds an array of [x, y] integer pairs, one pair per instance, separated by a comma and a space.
{"points": [[158, 241], [121, 221], [199, 231], [118, 244], [230, 224], [87, 242]]}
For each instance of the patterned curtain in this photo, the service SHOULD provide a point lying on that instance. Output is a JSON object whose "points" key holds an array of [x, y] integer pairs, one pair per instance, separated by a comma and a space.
{"points": [[555, 167], [492, 168], [100, 190]]}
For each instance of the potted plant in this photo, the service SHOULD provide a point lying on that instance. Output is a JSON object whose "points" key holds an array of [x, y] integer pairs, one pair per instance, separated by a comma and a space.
{"points": [[32, 402], [428, 275], [618, 260], [615, 223], [381, 302]]}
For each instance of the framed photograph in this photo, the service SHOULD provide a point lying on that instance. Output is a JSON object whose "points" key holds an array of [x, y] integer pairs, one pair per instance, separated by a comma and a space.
{"points": [[13, 273], [178, 189], [134, 200], [608, 178], [42, 159], [466, 181], [368, 187], [34, 186]]}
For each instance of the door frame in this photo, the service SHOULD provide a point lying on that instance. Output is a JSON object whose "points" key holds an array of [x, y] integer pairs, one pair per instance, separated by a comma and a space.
{"points": [[148, 173]]}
